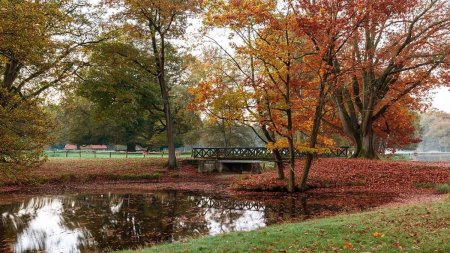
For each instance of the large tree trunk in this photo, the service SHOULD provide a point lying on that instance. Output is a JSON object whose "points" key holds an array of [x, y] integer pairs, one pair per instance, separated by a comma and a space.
{"points": [[131, 147], [367, 145], [358, 145]]}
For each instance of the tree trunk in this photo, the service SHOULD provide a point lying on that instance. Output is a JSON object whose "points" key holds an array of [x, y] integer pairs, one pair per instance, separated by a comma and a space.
{"points": [[358, 146], [291, 180], [279, 163], [270, 136], [314, 134], [172, 164], [290, 137], [313, 138], [367, 145], [131, 147], [160, 67], [308, 163]]}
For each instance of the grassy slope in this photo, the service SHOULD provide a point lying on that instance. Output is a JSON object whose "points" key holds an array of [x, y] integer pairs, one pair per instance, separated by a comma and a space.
{"points": [[420, 228]]}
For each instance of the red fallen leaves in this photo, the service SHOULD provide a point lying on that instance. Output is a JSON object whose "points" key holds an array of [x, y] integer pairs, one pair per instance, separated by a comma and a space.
{"points": [[103, 173], [358, 175]]}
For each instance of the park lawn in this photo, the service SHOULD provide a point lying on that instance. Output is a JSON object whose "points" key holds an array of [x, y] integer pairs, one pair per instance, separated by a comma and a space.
{"points": [[67, 170], [418, 228]]}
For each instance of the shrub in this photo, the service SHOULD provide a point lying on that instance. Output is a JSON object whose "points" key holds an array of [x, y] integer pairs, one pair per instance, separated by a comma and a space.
{"points": [[424, 185], [443, 188]]}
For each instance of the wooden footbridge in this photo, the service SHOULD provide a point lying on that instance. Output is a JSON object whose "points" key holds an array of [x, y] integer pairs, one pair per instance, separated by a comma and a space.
{"points": [[259, 153], [246, 159]]}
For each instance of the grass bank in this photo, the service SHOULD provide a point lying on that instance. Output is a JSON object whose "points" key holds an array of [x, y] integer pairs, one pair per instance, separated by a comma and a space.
{"points": [[419, 228]]}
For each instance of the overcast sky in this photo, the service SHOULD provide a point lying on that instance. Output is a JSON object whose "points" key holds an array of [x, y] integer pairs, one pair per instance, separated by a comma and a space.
{"points": [[441, 99]]}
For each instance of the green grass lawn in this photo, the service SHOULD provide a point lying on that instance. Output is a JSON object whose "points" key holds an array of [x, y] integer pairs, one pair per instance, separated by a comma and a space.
{"points": [[420, 228], [107, 154]]}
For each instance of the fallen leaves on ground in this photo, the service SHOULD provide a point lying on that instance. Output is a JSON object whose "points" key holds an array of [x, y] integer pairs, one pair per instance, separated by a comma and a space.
{"points": [[334, 175]]}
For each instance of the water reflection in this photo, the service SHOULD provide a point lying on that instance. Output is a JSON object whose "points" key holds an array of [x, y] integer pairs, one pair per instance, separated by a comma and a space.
{"points": [[80, 223], [39, 224]]}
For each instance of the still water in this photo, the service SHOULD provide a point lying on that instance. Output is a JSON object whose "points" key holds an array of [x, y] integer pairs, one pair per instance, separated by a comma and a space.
{"points": [[105, 222], [431, 157]]}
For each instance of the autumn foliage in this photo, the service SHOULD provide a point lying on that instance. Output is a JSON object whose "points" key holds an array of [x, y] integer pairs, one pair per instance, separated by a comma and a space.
{"points": [[306, 69]]}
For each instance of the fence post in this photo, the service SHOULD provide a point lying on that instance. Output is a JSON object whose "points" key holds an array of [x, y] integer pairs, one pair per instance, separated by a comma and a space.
{"points": [[110, 154], [80, 153], [67, 152], [126, 154]]}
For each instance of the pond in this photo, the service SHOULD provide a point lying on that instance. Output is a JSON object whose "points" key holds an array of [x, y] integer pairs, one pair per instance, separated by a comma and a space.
{"points": [[431, 157], [105, 222]]}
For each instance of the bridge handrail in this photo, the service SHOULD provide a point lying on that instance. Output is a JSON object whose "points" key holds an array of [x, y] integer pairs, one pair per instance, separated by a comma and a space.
{"points": [[257, 153]]}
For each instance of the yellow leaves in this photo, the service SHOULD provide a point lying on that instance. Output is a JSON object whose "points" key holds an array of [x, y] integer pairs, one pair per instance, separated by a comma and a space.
{"points": [[25, 131], [378, 235], [237, 13], [299, 146], [281, 143]]}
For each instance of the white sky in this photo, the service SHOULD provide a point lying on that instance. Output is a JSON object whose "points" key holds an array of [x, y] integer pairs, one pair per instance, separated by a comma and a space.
{"points": [[441, 99]]}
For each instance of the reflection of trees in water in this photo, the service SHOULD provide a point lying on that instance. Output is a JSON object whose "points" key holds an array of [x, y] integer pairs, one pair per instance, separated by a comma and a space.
{"points": [[38, 225], [135, 220], [3, 246], [111, 222]]}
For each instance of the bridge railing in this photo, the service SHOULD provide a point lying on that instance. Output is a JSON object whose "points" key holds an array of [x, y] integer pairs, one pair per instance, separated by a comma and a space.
{"points": [[260, 153]]}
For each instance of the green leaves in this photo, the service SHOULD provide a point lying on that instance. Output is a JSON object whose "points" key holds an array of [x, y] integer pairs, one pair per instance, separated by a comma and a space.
{"points": [[24, 132]]}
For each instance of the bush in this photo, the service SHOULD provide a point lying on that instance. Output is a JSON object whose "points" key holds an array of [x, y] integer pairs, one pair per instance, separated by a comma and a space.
{"points": [[443, 188]]}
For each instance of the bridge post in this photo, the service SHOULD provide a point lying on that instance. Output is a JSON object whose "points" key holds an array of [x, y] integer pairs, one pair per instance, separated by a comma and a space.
{"points": [[208, 166]]}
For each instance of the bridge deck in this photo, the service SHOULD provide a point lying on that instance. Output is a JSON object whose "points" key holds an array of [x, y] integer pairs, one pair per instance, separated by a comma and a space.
{"points": [[240, 161]]}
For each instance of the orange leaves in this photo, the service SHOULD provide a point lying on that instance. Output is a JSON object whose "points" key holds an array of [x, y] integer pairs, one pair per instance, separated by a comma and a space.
{"points": [[378, 235], [238, 13], [348, 245]]}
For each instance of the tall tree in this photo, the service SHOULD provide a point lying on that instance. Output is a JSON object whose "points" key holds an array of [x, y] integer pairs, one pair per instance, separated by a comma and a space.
{"points": [[286, 92], [40, 44], [153, 23], [123, 93], [400, 51]]}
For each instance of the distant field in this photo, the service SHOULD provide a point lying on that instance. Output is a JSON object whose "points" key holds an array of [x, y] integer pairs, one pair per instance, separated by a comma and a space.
{"points": [[110, 154]]}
